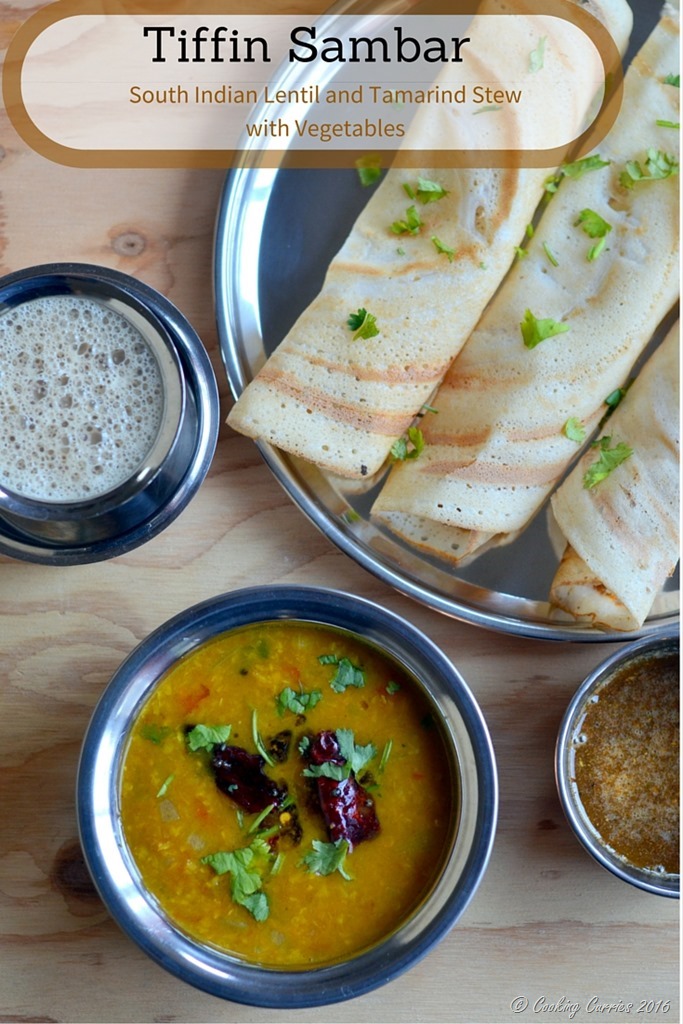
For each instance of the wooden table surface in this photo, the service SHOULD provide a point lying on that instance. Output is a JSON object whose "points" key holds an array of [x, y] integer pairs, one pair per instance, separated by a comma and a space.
{"points": [[549, 935]]}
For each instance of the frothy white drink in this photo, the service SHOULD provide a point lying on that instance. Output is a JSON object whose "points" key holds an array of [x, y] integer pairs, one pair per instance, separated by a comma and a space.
{"points": [[81, 398]]}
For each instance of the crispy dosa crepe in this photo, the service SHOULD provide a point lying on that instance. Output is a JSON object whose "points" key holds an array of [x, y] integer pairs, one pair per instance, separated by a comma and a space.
{"points": [[623, 531], [342, 403], [498, 444]]}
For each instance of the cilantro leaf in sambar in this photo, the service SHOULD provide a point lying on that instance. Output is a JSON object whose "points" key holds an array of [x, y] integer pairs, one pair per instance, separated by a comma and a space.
{"points": [[356, 757], [297, 701], [326, 858], [206, 737], [245, 877]]}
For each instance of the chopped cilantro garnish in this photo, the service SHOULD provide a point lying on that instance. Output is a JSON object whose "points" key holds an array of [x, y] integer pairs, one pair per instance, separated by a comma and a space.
{"points": [[426, 191], [574, 429], [575, 170], [298, 702], [392, 687], [258, 742], [593, 224], [205, 737], [661, 123], [537, 56], [520, 252], [245, 878], [672, 79], [580, 167], [490, 109], [369, 169], [608, 460], [350, 515], [277, 864], [443, 249], [614, 398], [659, 165], [303, 745], [260, 818], [530, 231], [595, 250], [155, 733], [363, 324], [409, 447], [326, 770], [347, 673], [534, 331], [163, 789], [388, 746], [326, 858], [550, 254], [356, 757], [411, 225]]}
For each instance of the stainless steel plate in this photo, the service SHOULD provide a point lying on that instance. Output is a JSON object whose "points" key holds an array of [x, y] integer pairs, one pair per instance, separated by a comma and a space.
{"points": [[277, 231]]}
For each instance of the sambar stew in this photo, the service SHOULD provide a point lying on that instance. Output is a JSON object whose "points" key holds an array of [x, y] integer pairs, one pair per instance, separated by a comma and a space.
{"points": [[627, 763], [286, 794]]}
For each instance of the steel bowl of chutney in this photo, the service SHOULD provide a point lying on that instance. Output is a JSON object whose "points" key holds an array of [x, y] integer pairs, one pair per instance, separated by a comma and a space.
{"points": [[617, 764], [287, 796]]}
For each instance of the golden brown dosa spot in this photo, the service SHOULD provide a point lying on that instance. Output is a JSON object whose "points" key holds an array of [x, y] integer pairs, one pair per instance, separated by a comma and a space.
{"points": [[334, 408], [393, 374], [495, 472]]}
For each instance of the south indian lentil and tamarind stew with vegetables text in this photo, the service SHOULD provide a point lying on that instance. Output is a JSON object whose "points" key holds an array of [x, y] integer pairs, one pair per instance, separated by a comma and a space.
{"points": [[287, 795]]}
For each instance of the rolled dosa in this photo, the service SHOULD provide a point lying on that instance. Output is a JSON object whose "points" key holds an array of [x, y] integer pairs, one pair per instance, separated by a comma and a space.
{"points": [[497, 444], [622, 532], [342, 403]]}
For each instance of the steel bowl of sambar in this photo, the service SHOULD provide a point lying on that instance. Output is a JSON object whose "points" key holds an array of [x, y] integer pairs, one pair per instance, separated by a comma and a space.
{"points": [[287, 796]]}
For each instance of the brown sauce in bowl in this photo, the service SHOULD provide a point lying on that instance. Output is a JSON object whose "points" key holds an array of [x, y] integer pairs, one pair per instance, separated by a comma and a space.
{"points": [[627, 763]]}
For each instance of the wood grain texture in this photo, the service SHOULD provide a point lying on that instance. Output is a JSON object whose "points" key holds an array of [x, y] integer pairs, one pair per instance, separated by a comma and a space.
{"points": [[546, 923]]}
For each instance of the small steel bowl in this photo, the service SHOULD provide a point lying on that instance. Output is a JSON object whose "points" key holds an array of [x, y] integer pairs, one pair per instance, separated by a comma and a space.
{"points": [[112, 867], [63, 532], [660, 884]]}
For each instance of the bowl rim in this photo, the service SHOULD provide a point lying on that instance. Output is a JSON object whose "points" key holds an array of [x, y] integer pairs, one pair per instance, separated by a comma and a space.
{"points": [[110, 863], [667, 885]]}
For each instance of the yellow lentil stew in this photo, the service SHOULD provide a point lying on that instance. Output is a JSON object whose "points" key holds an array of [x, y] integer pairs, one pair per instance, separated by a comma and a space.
{"points": [[286, 794]]}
